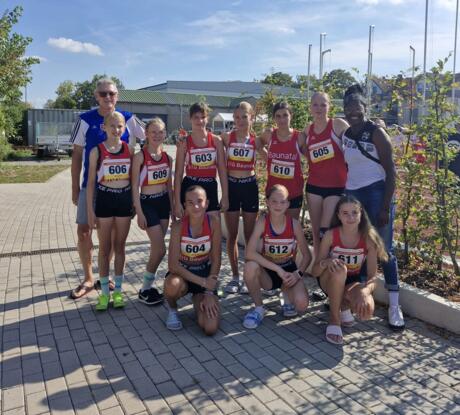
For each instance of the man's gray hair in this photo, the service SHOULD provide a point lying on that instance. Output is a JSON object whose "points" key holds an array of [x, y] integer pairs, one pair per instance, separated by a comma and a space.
{"points": [[105, 81]]}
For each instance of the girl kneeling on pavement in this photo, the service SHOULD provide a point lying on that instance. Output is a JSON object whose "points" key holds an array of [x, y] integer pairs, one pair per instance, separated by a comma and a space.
{"points": [[194, 262], [152, 171], [351, 244], [110, 166], [273, 265]]}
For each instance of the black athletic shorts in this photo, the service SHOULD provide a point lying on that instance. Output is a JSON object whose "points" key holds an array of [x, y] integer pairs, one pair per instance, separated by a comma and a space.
{"points": [[296, 202], [277, 282], [243, 194], [209, 184], [112, 202], [202, 270], [155, 207], [324, 191]]}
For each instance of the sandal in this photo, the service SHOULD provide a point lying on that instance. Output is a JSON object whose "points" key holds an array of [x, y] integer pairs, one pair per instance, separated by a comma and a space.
{"points": [[346, 318], [333, 330], [97, 285], [82, 289]]}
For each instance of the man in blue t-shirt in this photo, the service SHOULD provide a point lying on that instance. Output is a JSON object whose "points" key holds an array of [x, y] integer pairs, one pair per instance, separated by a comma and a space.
{"points": [[87, 133]]}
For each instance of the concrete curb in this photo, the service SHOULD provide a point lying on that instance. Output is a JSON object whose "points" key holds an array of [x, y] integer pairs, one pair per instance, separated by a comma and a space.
{"points": [[430, 308]]}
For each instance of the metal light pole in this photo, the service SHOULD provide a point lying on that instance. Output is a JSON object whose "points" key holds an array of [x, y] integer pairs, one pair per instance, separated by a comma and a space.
{"points": [[369, 64], [411, 111], [308, 71], [321, 36], [455, 53], [424, 55], [322, 59]]}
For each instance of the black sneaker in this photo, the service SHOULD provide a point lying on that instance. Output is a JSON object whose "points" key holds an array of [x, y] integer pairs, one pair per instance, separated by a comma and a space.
{"points": [[150, 296]]}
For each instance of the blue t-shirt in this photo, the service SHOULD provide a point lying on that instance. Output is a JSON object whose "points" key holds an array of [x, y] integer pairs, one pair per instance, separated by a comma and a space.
{"points": [[88, 133]]}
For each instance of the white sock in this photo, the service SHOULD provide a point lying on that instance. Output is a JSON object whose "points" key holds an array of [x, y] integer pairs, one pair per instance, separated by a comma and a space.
{"points": [[393, 298], [260, 309]]}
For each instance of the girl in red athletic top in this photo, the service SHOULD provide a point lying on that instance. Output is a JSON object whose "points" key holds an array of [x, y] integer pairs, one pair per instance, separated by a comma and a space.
{"points": [[194, 262], [270, 258], [351, 243], [243, 193], [202, 156], [283, 157], [152, 172], [327, 171], [110, 165]]}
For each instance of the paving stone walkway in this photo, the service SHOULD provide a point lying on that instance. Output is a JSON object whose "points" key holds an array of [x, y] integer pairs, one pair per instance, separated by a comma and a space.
{"points": [[59, 356]]}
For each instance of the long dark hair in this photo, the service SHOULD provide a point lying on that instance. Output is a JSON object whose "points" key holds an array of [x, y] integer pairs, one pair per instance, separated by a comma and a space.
{"points": [[365, 227]]}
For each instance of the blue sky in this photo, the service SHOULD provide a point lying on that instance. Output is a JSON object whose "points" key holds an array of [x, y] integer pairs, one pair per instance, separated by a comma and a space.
{"points": [[148, 42]]}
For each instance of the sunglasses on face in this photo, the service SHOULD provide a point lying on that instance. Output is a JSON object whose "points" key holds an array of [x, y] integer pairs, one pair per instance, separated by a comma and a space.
{"points": [[103, 94]]}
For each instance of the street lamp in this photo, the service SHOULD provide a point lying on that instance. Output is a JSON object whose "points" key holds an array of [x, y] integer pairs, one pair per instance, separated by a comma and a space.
{"points": [[411, 112], [322, 58], [308, 71], [369, 64], [424, 55], [455, 53], [321, 37]]}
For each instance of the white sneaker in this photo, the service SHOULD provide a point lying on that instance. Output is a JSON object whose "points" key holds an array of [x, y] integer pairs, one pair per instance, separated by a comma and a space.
{"points": [[395, 318], [232, 287], [269, 293]]}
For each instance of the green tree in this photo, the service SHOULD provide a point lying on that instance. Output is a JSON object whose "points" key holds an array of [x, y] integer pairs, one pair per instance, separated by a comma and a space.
{"points": [[278, 78], [338, 80], [15, 72]]}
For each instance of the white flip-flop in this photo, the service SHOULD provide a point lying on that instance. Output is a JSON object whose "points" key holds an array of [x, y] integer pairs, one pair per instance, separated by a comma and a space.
{"points": [[346, 318], [334, 330]]}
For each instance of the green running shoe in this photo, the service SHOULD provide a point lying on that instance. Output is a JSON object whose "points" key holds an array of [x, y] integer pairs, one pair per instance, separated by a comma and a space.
{"points": [[103, 302], [118, 301]]}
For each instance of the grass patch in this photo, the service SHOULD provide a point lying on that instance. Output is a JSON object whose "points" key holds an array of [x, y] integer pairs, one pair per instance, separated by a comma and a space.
{"points": [[28, 174]]}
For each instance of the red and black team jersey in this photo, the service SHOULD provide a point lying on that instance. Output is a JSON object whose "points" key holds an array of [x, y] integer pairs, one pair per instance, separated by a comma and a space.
{"points": [[326, 163], [201, 161], [114, 166], [154, 172], [283, 164], [279, 248], [241, 156], [195, 250], [352, 257]]}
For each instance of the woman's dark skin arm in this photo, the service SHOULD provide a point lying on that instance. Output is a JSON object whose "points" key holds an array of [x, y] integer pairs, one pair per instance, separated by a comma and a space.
{"points": [[384, 149]]}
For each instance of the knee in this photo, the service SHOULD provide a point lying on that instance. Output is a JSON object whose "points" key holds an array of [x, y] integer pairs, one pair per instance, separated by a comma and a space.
{"points": [[84, 233], [173, 286], [210, 328]]}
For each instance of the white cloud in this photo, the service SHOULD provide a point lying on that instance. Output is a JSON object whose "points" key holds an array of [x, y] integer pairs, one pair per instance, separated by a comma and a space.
{"points": [[75, 46]]}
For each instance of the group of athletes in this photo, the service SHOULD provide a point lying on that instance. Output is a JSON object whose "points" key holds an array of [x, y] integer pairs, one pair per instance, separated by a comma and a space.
{"points": [[349, 193]]}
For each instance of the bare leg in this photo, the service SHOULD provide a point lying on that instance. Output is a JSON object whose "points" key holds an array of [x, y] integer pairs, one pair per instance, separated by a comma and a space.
{"points": [[122, 225], [232, 220], [104, 233], [157, 248], [175, 287], [298, 296], [294, 213], [315, 203], [256, 278], [85, 251]]}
